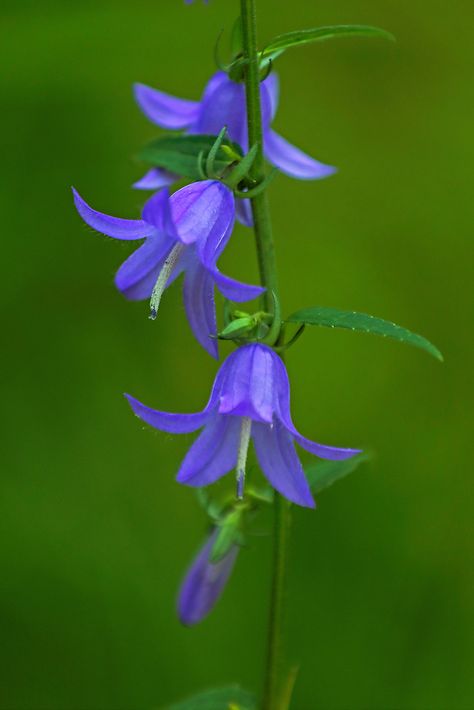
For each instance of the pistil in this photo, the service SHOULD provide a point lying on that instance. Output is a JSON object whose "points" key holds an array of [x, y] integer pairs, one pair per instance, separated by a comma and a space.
{"points": [[163, 277], [245, 430]]}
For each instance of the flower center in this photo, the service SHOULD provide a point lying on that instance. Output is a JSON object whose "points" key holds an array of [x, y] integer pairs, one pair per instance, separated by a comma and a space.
{"points": [[163, 276], [245, 430]]}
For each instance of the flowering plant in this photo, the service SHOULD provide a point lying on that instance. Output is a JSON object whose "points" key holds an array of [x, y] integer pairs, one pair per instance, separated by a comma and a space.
{"points": [[221, 150]]}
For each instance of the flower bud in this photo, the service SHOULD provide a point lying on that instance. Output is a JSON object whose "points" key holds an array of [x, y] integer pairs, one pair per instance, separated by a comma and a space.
{"points": [[204, 583]]}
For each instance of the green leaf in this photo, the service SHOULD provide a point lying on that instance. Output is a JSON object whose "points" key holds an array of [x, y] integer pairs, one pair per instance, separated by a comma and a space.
{"points": [[323, 474], [181, 154], [335, 318], [231, 698], [317, 34]]}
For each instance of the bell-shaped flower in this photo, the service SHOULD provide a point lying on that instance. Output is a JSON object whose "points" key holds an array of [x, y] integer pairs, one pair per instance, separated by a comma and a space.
{"points": [[186, 232], [250, 399], [204, 583]]}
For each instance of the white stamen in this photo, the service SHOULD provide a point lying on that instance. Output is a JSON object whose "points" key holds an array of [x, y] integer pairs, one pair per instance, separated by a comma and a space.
{"points": [[245, 430], [163, 277]]}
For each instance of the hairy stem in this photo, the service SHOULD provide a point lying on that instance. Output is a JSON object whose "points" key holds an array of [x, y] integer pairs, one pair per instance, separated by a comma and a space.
{"points": [[274, 669]]}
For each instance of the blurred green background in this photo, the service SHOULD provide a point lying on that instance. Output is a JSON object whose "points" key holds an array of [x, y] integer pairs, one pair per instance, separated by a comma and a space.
{"points": [[95, 533]]}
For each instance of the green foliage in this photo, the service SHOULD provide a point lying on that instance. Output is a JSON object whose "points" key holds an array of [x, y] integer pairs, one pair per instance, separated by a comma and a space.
{"points": [[227, 536], [323, 474], [238, 328], [210, 505], [236, 37], [184, 155], [361, 322], [281, 43], [231, 698]]}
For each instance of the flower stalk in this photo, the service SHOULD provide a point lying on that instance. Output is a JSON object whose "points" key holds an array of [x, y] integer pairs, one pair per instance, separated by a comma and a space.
{"points": [[269, 279]]}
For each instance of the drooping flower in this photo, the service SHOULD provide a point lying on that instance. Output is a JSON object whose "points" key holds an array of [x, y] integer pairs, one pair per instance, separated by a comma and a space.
{"points": [[223, 104], [186, 232], [204, 583], [250, 399]]}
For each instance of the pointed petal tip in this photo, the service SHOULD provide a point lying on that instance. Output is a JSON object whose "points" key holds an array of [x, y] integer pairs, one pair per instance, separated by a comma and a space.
{"points": [[184, 619], [131, 400], [292, 161], [154, 179], [189, 479], [214, 352], [319, 172], [138, 86]]}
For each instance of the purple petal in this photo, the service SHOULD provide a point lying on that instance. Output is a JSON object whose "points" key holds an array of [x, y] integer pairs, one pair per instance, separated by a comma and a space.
{"points": [[216, 80], [167, 421], [271, 86], [138, 274], [243, 212], [280, 464], [324, 452], [204, 583], [111, 226], [223, 104], [157, 211], [235, 290], [165, 110], [213, 454], [292, 161], [204, 212], [284, 415], [200, 307], [155, 179], [247, 383]]}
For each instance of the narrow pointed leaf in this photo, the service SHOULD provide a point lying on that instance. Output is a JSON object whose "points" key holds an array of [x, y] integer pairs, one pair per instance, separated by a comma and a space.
{"points": [[317, 34], [219, 699], [323, 474], [361, 322], [181, 154]]}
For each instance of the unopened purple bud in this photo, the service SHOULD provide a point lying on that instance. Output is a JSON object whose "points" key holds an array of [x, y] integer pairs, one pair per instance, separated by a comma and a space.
{"points": [[204, 583]]}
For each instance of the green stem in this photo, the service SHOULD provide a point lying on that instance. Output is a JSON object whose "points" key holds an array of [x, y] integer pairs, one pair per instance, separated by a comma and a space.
{"points": [[274, 671], [260, 208]]}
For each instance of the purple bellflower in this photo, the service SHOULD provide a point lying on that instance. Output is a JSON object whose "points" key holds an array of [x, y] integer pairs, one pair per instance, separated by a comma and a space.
{"points": [[186, 232], [204, 583], [250, 399], [223, 104]]}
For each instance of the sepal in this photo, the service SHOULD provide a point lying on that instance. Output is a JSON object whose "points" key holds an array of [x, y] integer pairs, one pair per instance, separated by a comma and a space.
{"points": [[229, 533], [238, 328]]}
